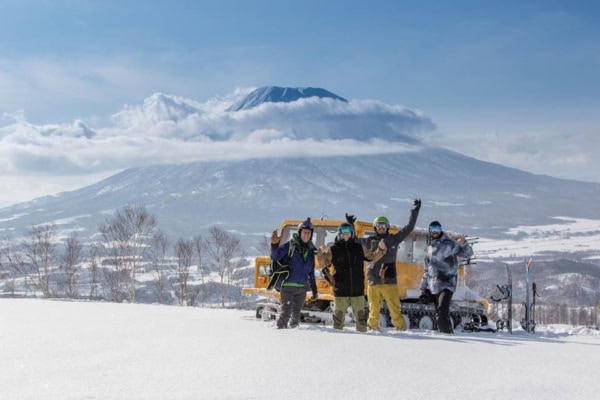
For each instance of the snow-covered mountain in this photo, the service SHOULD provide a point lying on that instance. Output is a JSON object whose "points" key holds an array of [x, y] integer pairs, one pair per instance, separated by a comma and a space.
{"points": [[252, 195], [276, 94]]}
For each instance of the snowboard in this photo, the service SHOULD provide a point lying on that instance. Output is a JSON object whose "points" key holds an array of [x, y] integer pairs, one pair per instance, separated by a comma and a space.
{"points": [[505, 293], [528, 323]]}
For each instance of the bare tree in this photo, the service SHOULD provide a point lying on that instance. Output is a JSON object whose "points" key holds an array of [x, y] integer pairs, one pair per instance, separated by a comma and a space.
{"points": [[115, 277], [203, 270], [126, 236], [264, 245], [223, 248], [184, 252], [40, 246], [71, 260], [206, 289], [158, 257], [11, 264], [94, 254]]}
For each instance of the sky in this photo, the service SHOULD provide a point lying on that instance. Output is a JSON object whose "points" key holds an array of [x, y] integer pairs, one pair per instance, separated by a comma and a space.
{"points": [[78, 350], [511, 82]]}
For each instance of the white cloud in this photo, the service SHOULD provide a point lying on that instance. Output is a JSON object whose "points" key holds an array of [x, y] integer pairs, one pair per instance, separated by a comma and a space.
{"points": [[167, 129], [546, 150], [173, 129]]}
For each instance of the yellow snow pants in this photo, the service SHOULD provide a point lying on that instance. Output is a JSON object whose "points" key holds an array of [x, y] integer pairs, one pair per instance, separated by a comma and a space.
{"points": [[389, 293]]}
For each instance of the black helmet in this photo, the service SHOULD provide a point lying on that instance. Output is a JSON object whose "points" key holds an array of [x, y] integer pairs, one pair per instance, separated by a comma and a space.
{"points": [[306, 225], [435, 226]]}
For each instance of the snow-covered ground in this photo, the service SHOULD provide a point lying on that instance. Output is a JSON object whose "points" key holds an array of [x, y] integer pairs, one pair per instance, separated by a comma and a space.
{"points": [[79, 350], [567, 235]]}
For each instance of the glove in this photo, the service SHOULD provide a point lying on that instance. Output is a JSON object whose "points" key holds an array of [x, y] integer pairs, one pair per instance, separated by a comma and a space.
{"points": [[350, 219], [328, 276], [417, 204], [274, 238], [373, 244]]}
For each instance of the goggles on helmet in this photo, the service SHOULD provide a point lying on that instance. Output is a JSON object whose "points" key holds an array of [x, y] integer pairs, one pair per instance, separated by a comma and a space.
{"points": [[345, 229]]}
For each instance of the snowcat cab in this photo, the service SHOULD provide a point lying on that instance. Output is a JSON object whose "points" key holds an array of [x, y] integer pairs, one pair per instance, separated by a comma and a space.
{"points": [[466, 304]]}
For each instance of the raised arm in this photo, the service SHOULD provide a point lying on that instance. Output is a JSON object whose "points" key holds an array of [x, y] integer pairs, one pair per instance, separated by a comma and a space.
{"points": [[412, 221], [463, 249]]}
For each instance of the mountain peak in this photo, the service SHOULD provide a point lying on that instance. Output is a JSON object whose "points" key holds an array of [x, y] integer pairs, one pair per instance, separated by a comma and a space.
{"points": [[276, 94]]}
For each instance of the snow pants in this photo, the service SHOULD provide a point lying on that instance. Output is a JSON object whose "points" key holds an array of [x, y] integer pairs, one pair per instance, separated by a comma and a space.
{"points": [[292, 301], [357, 303], [389, 293], [442, 310]]}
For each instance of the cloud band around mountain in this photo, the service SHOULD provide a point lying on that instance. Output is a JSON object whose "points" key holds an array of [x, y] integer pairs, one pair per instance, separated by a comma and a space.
{"points": [[172, 129]]}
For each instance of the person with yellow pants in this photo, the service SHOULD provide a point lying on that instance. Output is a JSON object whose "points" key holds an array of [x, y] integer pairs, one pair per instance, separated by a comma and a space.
{"points": [[388, 292], [381, 274]]}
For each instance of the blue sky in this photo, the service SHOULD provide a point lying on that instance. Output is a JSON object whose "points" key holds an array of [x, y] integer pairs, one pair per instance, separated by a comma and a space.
{"points": [[513, 82]]}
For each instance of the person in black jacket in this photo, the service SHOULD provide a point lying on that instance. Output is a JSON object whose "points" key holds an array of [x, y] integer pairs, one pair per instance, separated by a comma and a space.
{"points": [[348, 279]]}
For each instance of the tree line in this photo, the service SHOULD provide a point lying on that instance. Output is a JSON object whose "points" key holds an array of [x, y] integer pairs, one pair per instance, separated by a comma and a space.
{"points": [[186, 271], [546, 314]]}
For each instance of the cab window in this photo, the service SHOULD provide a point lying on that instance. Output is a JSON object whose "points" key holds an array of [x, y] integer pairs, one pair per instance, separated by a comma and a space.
{"points": [[420, 248], [412, 249], [405, 250]]}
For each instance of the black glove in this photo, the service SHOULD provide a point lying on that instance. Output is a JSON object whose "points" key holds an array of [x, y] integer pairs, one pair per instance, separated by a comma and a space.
{"points": [[350, 219], [417, 204], [373, 244], [425, 296], [328, 277]]}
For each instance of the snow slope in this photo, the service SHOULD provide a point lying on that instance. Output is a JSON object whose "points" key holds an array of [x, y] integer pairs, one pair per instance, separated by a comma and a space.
{"points": [[78, 350]]}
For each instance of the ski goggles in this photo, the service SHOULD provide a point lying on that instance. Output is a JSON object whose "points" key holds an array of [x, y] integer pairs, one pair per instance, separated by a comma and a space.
{"points": [[435, 229], [345, 229], [380, 225]]}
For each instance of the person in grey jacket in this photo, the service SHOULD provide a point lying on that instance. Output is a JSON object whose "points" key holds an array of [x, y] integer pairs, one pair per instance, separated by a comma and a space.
{"points": [[381, 274], [441, 272]]}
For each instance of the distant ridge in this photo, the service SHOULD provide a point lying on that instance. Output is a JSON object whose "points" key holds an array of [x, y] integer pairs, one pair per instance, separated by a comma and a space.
{"points": [[276, 94]]}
